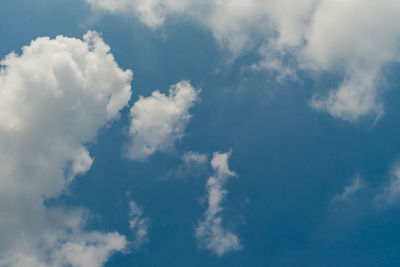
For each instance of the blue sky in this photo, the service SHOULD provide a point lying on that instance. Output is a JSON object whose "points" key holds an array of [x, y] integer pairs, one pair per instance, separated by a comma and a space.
{"points": [[271, 141]]}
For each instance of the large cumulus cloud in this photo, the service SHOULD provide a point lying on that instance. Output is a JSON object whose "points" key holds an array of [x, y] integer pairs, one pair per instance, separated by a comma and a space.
{"points": [[54, 98]]}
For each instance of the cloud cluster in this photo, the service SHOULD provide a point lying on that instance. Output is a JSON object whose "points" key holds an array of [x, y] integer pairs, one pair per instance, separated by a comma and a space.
{"points": [[353, 38], [61, 250], [54, 98], [158, 121], [210, 232]]}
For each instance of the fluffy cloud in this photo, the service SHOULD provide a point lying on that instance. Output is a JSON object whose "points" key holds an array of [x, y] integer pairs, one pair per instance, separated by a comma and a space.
{"points": [[138, 224], [210, 232], [159, 120], [83, 249], [353, 38], [54, 98]]}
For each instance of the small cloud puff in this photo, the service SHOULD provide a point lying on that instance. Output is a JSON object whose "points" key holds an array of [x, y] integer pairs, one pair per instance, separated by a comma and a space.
{"points": [[158, 121]]}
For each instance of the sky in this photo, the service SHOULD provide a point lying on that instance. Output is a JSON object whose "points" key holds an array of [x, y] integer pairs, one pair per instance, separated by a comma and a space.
{"points": [[199, 133]]}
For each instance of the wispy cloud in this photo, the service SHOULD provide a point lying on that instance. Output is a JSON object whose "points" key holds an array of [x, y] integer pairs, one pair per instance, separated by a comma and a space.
{"points": [[210, 232], [350, 190], [138, 224], [390, 192], [194, 158]]}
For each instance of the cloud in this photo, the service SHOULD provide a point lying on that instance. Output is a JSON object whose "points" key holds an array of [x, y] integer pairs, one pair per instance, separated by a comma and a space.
{"points": [[86, 249], [350, 190], [358, 38], [357, 96], [194, 158], [352, 38], [54, 98], [138, 224], [390, 193], [158, 121], [210, 233], [193, 164]]}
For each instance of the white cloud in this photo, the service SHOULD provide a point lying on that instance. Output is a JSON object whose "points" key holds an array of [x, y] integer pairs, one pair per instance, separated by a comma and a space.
{"points": [[138, 224], [354, 38], [158, 121], [89, 250], [210, 232], [84, 250], [356, 96], [358, 38], [54, 98], [350, 190], [194, 158]]}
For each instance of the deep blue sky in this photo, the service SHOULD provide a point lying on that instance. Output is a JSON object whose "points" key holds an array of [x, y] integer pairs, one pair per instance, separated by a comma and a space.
{"points": [[291, 160]]}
